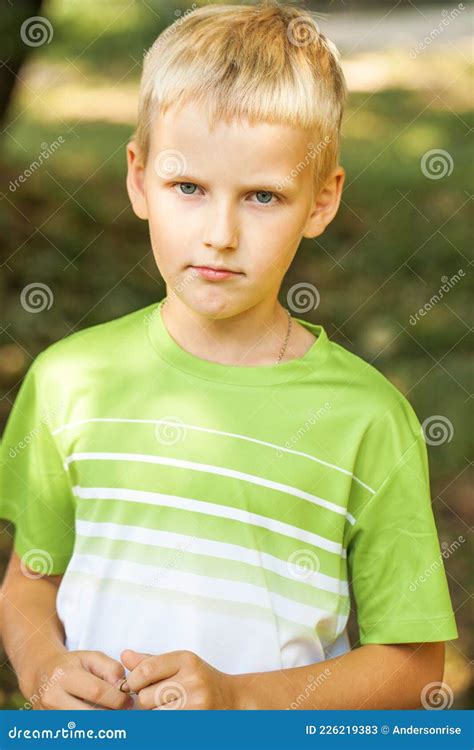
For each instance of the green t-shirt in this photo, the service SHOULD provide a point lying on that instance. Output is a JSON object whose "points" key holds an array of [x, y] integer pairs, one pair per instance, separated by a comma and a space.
{"points": [[222, 509]]}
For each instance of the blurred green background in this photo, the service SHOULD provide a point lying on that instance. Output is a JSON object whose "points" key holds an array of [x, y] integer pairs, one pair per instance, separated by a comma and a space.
{"points": [[399, 232]]}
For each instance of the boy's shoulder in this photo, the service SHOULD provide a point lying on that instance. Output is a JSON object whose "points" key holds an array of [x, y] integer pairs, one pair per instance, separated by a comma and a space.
{"points": [[369, 389], [121, 343], [102, 346]]}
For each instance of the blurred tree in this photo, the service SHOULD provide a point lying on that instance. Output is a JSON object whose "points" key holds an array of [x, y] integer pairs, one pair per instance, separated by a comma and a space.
{"points": [[14, 49]]}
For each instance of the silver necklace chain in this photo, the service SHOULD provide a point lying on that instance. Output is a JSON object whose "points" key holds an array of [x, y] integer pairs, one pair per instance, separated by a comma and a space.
{"points": [[285, 344]]}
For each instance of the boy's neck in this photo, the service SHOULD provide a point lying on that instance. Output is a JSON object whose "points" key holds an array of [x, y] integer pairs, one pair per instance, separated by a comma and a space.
{"points": [[251, 338]]}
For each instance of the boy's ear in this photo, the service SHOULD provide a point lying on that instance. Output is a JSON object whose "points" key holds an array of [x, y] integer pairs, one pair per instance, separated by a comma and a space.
{"points": [[135, 181], [326, 204]]}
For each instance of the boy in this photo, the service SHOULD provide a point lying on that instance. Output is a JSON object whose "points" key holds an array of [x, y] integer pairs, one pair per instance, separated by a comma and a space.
{"points": [[183, 519]]}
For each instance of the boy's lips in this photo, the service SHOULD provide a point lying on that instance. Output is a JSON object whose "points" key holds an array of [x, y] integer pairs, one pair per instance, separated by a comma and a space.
{"points": [[215, 274]]}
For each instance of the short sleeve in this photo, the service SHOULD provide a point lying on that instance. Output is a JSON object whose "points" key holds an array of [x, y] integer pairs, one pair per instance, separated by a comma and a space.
{"points": [[35, 494], [394, 557]]}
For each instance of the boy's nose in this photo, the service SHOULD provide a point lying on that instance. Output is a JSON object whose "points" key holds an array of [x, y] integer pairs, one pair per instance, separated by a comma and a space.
{"points": [[221, 229]]}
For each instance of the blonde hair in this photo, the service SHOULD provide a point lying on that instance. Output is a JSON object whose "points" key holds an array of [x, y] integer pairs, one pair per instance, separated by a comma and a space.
{"points": [[264, 63]]}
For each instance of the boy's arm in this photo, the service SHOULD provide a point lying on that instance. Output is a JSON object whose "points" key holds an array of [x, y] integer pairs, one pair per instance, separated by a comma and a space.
{"points": [[31, 628], [370, 677], [50, 676]]}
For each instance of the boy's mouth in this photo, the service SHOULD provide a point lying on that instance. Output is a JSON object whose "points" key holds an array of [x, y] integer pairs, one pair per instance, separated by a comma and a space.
{"points": [[212, 273]]}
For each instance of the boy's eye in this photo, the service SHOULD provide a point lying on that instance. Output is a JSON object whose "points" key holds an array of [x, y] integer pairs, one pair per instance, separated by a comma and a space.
{"points": [[264, 196], [188, 187]]}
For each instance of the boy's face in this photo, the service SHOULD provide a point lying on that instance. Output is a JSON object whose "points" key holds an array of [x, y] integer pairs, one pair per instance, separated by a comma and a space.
{"points": [[227, 199]]}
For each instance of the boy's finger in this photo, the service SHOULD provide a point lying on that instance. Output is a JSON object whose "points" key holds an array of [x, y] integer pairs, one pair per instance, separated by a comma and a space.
{"points": [[95, 690], [147, 697], [162, 695], [66, 702], [153, 669], [131, 658], [103, 666]]}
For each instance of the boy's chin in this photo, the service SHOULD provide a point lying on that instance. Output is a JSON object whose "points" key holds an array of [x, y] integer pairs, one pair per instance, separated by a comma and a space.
{"points": [[218, 306]]}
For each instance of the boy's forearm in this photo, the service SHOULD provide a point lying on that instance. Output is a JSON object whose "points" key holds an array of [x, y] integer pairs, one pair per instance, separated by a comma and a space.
{"points": [[369, 677], [31, 629]]}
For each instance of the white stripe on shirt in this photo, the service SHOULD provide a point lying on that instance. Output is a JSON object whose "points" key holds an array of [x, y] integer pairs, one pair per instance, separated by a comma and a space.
{"points": [[212, 469], [217, 432], [209, 547], [212, 509]]}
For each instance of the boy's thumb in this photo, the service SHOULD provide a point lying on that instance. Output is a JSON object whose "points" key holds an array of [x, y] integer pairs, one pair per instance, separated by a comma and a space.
{"points": [[130, 659]]}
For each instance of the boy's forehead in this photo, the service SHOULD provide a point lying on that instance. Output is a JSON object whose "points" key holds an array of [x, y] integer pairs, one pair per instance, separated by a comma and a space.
{"points": [[238, 145]]}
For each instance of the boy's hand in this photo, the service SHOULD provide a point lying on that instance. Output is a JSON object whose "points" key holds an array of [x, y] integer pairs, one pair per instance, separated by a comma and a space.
{"points": [[78, 680], [177, 680]]}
